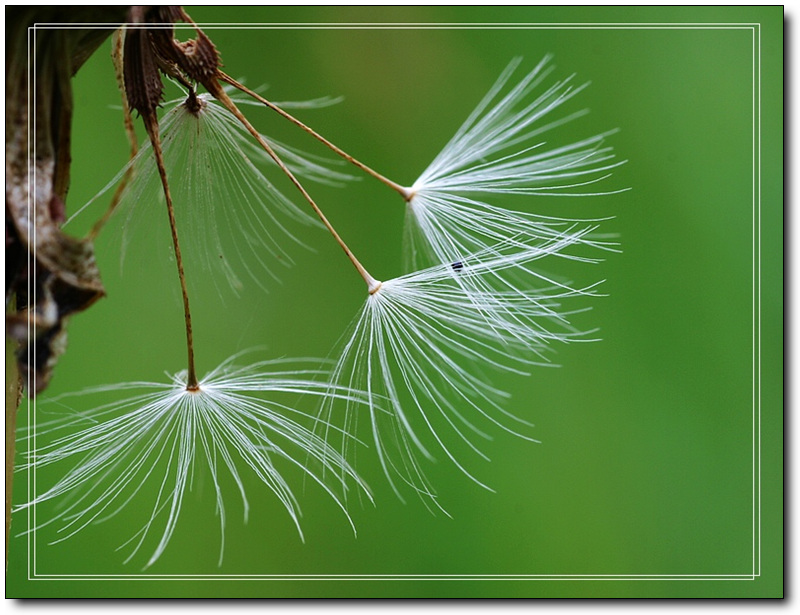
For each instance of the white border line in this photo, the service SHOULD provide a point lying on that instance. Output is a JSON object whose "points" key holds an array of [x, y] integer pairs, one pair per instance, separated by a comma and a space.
{"points": [[756, 442]]}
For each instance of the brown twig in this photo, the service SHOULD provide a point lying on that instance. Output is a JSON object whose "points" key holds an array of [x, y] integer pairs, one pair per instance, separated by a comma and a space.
{"points": [[404, 192], [13, 397], [151, 124], [372, 284], [117, 55]]}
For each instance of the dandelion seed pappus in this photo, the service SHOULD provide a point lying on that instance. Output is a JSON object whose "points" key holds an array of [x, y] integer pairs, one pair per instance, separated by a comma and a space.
{"points": [[417, 364]]}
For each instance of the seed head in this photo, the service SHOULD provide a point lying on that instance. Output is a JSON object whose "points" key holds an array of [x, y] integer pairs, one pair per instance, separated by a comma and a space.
{"points": [[236, 420]]}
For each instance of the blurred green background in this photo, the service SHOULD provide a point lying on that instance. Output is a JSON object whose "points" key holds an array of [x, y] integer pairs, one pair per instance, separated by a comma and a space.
{"points": [[646, 466]]}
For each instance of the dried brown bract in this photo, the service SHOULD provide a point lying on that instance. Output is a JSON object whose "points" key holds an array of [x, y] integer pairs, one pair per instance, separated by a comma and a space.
{"points": [[151, 49]]}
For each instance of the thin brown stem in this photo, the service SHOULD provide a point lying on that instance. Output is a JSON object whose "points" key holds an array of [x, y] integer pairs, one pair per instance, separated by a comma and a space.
{"points": [[13, 397], [151, 124], [117, 56], [404, 192], [372, 284]]}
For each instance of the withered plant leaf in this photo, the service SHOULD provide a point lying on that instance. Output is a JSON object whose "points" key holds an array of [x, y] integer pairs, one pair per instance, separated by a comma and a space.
{"points": [[50, 274]]}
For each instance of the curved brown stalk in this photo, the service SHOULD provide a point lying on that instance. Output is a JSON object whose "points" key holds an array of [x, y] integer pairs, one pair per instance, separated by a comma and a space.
{"points": [[130, 132], [372, 284], [404, 192], [13, 397], [151, 124]]}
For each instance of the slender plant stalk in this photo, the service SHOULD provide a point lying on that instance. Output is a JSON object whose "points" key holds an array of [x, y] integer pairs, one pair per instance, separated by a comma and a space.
{"points": [[130, 132], [372, 284], [13, 397], [404, 192], [151, 124]]}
